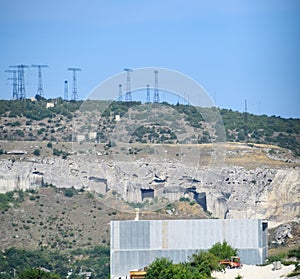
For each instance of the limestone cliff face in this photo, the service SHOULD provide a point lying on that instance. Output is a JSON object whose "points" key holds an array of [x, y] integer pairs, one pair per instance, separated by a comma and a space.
{"points": [[264, 193], [230, 192], [12, 179], [19, 182], [284, 196]]}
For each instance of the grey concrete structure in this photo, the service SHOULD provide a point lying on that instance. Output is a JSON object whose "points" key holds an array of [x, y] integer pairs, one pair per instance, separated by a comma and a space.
{"points": [[135, 244]]}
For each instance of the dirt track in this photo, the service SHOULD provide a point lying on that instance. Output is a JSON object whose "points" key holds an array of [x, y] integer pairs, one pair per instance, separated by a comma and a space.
{"points": [[257, 272]]}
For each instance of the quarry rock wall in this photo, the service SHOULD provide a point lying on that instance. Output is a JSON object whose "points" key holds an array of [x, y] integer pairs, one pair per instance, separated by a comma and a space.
{"points": [[230, 192]]}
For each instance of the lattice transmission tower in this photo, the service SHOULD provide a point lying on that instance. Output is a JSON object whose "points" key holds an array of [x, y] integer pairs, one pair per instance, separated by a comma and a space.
{"points": [[21, 80], [14, 83], [40, 90], [74, 90], [128, 97]]}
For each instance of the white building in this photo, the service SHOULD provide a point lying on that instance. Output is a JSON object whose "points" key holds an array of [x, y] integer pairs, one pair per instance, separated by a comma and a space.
{"points": [[135, 244], [50, 105]]}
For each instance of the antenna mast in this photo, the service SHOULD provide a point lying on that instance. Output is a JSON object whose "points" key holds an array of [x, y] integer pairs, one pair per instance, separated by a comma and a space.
{"points": [[40, 91], [74, 91], [21, 80], [156, 94], [120, 92], [14, 83], [66, 90], [128, 97]]}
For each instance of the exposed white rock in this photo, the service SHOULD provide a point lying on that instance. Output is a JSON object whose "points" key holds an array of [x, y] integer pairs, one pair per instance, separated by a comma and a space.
{"points": [[282, 233], [230, 192]]}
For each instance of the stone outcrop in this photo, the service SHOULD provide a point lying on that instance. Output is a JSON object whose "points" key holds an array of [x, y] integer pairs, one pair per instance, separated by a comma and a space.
{"points": [[18, 180], [282, 233], [230, 192]]}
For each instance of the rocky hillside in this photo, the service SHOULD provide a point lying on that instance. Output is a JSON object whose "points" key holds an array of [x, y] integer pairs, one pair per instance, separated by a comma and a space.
{"points": [[249, 181], [63, 219], [150, 154], [67, 170], [90, 121]]}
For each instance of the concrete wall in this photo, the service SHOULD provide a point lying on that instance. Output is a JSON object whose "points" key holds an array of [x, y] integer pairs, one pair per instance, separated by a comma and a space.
{"points": [[135, 244]]}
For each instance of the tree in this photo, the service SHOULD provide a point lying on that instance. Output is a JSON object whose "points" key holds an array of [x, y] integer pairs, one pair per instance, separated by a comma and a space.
{"points": [[185, 271], [200, 266], [222, 250], [161, 268], [32, 273], [69, 192], [4, 275], [56, 152], [49, 144], [37, 152], [205, 263]]}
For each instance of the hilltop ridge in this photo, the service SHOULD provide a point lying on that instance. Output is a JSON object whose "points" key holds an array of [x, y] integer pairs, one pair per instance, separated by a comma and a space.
{"points": [[66, 121]]}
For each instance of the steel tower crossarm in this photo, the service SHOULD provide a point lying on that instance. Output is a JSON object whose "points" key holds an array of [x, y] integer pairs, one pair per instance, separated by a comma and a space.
{"points": [[74, 91], [40, 91]]}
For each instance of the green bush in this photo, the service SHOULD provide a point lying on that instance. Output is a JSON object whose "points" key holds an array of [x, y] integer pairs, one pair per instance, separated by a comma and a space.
{"points": [[56, 152], [200, 266], [37, 152], [294, 253], [223, 250], [69, 192], [162, 268], [33, 273], [183, 199], [192, 203], [276, 258], [19, 133], [11, 199]]}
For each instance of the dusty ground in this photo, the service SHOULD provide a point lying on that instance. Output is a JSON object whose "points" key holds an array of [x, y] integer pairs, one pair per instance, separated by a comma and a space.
{"points": [[232, 154], [255, 272]]}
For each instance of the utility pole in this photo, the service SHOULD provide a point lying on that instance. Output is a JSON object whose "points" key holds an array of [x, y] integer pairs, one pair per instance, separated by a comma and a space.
{"points": [[128, 97], [74, 91], [120, 92], [40, 91], [14, 83], [66, 91]]}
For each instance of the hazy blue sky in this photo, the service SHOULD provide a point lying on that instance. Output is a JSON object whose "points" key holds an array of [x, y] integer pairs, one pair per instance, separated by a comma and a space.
{"points": [[236, 50]]}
